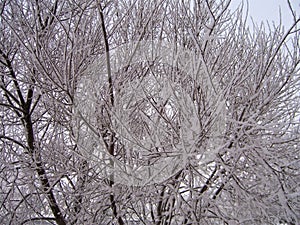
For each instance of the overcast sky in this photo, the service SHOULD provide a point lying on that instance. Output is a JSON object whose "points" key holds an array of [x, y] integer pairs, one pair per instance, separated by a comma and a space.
{"points": [[262, 10]]}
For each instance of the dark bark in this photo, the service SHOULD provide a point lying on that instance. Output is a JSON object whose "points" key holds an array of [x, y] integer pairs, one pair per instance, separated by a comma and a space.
{"points": [[31, 148]]}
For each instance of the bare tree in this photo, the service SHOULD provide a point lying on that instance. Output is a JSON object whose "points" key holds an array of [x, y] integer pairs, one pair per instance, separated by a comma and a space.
{"points": [[87, 86]]}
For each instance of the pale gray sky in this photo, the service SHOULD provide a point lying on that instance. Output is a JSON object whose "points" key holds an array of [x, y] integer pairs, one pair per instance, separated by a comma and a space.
{"points": [[262, 10]]}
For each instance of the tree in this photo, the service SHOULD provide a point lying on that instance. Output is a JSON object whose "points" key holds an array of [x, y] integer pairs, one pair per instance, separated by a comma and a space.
{"points": [[91, 86]]}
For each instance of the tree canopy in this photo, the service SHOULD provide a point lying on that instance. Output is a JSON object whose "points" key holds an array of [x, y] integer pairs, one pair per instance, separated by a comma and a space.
{"points": [[147, 112]]}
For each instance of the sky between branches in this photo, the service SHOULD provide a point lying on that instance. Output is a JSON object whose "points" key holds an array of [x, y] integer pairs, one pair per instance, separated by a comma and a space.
{"points": [[263, 10]]}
